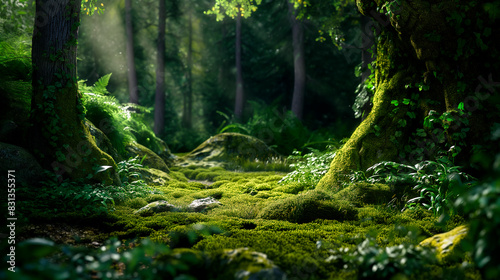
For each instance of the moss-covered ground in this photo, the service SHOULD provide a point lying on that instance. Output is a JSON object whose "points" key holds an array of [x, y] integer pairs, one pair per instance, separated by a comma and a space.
{"points": [[293, 225]]}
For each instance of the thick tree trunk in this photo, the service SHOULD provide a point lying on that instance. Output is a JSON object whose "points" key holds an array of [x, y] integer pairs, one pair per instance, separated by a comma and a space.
{"points": [[431, 58], [61, 141], [159, 118], [299, 64], [240, 95], [132, 75], [188, 94]]}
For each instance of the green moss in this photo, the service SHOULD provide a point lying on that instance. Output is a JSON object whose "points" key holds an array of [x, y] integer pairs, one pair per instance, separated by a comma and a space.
{"points": [[136, 203], [361, 193], [309, 207]]}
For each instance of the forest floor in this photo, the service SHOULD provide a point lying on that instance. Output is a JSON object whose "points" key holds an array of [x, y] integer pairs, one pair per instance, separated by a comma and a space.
{"points": [[257, 212]]}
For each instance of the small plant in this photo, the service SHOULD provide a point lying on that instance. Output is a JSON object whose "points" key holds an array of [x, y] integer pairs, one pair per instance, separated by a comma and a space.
{"points": [[438, 182], [132, 184], [311, 167]]}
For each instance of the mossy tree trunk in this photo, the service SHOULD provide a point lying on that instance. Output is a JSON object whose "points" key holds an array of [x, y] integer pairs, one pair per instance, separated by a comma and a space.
{"points": [[60, 138], [436, 76]]}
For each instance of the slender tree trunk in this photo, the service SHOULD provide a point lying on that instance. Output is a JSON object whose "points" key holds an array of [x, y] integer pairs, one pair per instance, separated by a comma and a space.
{"points": [[188, 95], [159, 125], [62, 142], [240, 95], [132, 75], [298, 63]]}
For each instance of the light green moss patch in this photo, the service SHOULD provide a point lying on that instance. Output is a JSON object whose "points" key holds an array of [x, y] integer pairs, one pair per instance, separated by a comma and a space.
{"points": [[292, 225]]}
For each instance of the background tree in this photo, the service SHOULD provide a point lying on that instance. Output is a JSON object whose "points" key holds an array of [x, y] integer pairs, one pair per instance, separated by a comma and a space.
{"points": [[299, 64], [63, 141], [159, 119], [132, 75]]}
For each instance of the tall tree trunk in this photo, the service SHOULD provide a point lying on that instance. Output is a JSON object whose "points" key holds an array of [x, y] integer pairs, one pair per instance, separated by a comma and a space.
{"points": [[298, 63], [428, 63], [62, 141], [132, 75], [240, 95], [188, 95], [159, 121]]}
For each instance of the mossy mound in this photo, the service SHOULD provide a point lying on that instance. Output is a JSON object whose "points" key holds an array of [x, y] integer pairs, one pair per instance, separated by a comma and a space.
{"points": [[362, 193], [229, 148], [309, 207]]}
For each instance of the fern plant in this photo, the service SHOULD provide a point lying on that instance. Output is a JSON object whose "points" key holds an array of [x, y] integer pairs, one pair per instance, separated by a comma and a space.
{"points": [[122, 124]]}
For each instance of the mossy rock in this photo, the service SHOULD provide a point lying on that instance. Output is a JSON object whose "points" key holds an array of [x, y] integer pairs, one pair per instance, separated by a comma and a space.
{"points": [[233, 148], [362, 193], [156, 207], [152, 160], [446, 243], [27, 170], [308, 207], [102, 141], [154, 176], [203, 204]]}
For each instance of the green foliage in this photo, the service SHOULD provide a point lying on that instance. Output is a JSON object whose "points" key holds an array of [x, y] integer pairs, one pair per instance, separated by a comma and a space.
{"points": [[231, 8], [370, 261], [438, 183], [55, 197], [481, 206], [309, 168], [145, 260], [122, 124]]}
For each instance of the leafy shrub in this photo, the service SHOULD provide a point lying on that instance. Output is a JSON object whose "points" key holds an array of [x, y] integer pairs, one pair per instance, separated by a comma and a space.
{"points": [[309, 168], [373, 262], [438, 182]]}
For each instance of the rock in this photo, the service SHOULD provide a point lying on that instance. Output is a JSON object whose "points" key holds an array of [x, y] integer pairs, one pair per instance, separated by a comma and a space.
{"points": [[156, 207], [243, 264], [202, 204], [27, 170], [102, 141], [152, 160], [229, 148], [446, 243]]}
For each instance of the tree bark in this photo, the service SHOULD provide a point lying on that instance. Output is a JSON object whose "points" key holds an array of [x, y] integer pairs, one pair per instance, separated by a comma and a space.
{"points": [[159, 117], [132, 75], [61, 141], [240, 95], [299, 64], [431, 58]]}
